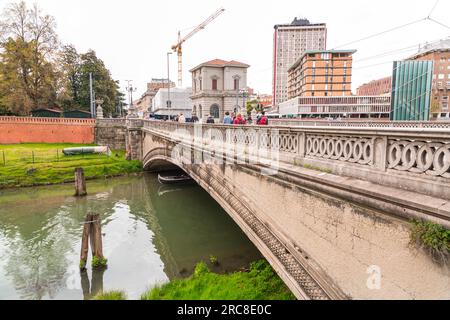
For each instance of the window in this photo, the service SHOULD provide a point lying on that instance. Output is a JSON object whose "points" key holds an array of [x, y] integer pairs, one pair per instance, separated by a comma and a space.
{"points": [[214, 84], [215, 111], [236, 84], [441, 76]]}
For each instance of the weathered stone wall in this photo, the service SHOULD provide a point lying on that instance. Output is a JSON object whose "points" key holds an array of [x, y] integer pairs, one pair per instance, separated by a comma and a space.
{"points": [[45, 130], [345, 247], [348, 242], [111, 134], [134, 144]]}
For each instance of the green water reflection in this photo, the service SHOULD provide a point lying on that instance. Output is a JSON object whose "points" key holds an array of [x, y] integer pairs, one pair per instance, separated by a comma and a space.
{"points": [[152, 233]]}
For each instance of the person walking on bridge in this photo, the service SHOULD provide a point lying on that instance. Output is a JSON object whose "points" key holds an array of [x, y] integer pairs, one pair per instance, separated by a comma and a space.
{"points": [[227, 119], [210, 120], [239, 120], [263, 120]]}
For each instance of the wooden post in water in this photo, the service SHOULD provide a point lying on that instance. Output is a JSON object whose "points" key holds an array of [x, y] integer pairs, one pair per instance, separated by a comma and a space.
{"points": [[85, 241], [96, 241], [80, 183], [92, 233]]}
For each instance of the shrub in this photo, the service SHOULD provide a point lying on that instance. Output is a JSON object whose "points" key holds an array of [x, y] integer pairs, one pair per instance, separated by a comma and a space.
{"points": [[434, 238]]}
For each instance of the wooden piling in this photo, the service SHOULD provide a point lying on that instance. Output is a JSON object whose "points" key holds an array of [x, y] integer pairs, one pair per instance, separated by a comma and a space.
{"points": [[80, 183], [85, 241], [92, 234], [96, 237]]}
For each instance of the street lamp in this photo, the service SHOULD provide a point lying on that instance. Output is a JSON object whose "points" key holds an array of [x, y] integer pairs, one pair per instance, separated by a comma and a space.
{"points": [[131, 108], [169, 103], [244, 96]]}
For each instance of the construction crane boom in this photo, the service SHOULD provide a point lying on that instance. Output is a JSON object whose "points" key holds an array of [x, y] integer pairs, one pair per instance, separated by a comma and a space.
{"points": [[179, 46]]}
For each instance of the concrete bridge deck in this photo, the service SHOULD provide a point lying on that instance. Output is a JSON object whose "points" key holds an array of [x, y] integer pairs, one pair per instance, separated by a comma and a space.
{"points": [[330, 208]]}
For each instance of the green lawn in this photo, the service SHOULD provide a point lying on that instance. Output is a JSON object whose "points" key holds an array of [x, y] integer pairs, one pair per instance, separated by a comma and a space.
{"points": [[24, 165], [261, 283]]}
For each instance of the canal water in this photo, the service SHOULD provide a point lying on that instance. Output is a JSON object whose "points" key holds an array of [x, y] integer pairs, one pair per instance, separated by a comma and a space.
{"points": [[151, 234]]}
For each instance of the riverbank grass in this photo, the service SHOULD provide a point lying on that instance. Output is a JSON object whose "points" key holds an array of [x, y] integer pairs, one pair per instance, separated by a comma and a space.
{"points": [[111, 295], [260, 283], [24, 165]]}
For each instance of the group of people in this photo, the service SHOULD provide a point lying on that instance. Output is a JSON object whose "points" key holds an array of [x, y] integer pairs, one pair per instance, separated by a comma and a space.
{"points": [[230, 119], [261, 119]]}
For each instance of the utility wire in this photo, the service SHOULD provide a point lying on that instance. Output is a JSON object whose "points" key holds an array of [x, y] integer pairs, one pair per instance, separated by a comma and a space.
{"points": [[381, 33], [438, 22], [373, 65], [399, 27], [432, 10], [387, 53]]}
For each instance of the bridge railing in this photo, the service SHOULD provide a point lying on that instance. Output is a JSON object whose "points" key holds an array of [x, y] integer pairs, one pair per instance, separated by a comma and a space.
{"points": [[424, 151], [110, 122], [358, 123], [392, 156]]}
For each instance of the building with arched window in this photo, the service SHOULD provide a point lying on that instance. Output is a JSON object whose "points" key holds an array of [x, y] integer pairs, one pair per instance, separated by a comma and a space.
{"points": [[217, 87]]}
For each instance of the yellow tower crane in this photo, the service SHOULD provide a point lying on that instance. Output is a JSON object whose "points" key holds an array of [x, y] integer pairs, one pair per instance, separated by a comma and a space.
{"points": [[178, 47]]}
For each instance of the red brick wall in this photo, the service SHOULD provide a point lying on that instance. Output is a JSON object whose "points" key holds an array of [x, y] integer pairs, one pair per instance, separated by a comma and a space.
{"points": [[46, 130]]}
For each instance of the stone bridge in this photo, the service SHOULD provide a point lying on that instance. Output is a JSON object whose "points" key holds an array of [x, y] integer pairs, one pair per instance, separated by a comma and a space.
{"points": [[329, 207]]}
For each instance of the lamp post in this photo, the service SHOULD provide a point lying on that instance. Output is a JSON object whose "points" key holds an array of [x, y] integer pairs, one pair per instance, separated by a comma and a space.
{"points": [[131, 89], [244, 96], [169, 103]]}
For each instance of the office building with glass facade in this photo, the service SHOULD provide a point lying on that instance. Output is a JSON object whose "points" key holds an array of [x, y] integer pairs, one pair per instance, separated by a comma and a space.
{"points": [[411, 90]]}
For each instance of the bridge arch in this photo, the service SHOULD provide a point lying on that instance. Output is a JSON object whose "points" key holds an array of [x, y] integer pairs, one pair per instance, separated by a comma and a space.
{"points": [[269, 244], [311, 226]]}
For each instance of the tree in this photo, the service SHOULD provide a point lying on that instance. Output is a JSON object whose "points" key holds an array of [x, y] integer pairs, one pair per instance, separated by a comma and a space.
{"points": [[36, 72], [104, 85], [28, 47], [69, 63]]}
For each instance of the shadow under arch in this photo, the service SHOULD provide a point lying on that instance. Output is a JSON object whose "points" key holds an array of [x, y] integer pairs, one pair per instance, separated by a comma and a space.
{"points": [[220, 236]]}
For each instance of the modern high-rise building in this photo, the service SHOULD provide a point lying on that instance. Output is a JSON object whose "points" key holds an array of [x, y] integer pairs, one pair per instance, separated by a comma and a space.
{"points": [[290, 42], [411, 90], [324, 73]]}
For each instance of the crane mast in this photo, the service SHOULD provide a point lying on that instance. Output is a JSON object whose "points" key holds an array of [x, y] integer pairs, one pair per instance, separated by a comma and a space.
{"points": [[178, 48]]}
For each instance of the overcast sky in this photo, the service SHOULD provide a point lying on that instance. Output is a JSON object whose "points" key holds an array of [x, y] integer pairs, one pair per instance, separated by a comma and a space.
{"points": [[132, 37]]}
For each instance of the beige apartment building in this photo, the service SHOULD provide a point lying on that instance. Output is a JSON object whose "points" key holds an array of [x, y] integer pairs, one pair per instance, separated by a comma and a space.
{"points": [[321, 73]]}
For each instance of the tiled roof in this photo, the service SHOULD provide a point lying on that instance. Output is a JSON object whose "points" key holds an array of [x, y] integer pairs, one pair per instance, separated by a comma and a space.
{"points": [[221, 63]]}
